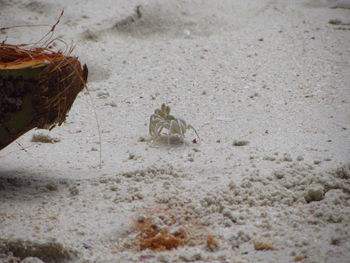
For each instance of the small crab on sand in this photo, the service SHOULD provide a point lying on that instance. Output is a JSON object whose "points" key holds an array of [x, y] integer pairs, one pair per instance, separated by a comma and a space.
{"points": [[162, 119]]}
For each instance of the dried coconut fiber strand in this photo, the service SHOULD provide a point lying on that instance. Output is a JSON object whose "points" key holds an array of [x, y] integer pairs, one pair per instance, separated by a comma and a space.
{"points": [[37, 89]]}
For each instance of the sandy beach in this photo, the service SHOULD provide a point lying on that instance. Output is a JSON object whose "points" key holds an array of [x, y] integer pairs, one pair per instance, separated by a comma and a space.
{"points": [[264, 83]]}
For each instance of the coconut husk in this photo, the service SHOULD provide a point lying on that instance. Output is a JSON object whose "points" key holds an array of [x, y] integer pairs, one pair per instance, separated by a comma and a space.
{"points": [[37, 89]]}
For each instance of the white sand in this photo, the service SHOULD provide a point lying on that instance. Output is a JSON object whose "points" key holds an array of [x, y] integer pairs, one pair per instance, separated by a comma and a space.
{"points": [[273, 73]]}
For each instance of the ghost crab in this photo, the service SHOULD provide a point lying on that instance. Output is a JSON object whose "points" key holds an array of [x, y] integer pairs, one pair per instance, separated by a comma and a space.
{"points": [[162, 119]]}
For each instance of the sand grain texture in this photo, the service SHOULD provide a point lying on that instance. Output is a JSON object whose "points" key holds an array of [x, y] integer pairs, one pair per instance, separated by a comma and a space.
{"points": [[265, 84]]}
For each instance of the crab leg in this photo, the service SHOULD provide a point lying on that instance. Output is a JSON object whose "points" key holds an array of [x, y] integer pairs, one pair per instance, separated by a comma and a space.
{"points": [[191, 127]]}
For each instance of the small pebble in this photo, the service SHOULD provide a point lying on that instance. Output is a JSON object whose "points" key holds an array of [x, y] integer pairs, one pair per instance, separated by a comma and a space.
{"points": [[51, 187], [240, 143], [335, 241], [43, 138], [314, 193], [300, 158], [279, 174]]}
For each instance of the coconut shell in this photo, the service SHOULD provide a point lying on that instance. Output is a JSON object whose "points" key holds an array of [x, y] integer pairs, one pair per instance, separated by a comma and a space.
{"points": [[37, 89]]}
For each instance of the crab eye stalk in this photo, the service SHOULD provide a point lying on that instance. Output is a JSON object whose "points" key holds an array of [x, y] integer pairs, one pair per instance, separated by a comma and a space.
{"points": [[163, 107], [167, 110]]}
